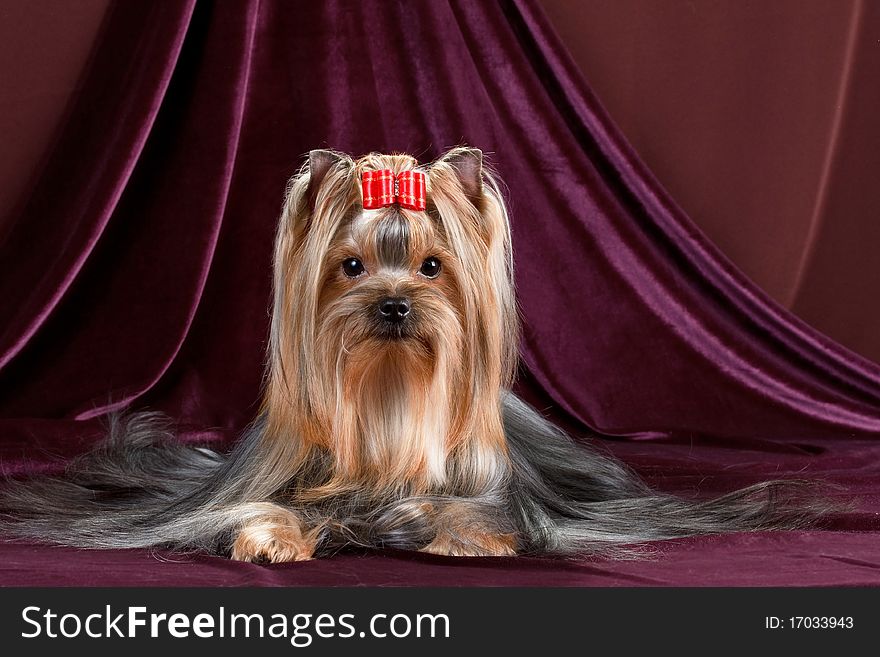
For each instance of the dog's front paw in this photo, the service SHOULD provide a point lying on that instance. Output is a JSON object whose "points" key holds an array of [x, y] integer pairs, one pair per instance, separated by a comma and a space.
{"points": [[267, 542], [472, 545]]}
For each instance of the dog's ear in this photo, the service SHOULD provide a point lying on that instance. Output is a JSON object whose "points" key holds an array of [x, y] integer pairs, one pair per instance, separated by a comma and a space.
{"points": [[320, 162], [468, 165]]}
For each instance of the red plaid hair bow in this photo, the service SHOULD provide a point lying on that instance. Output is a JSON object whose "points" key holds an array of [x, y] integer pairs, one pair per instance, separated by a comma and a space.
{"points": [[383, 188]]}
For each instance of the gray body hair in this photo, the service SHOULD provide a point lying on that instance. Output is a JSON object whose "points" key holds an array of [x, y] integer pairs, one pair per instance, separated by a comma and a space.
{"points": [[140, 488]]}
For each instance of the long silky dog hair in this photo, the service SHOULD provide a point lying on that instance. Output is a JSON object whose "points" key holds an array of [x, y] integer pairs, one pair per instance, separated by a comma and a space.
{"points": [[387, 418]]}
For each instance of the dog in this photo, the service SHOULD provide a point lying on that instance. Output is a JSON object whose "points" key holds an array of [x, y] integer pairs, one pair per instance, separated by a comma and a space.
{"points": [[387, 417]]}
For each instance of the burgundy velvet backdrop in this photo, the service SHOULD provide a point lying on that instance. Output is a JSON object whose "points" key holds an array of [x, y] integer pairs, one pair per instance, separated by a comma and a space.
{"points": [[760, 119], [138, 275]]}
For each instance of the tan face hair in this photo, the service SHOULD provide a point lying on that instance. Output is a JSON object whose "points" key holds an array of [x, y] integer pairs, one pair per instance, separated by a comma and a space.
{"points": [[393, 331]]}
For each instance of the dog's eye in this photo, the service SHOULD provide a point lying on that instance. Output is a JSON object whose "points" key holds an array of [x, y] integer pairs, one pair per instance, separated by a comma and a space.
{"points": [[430, 268], [352, 267]]}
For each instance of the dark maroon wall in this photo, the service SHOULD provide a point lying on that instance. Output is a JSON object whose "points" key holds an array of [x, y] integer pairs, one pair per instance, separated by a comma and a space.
{"points": [[761, 120], [44, 45]]}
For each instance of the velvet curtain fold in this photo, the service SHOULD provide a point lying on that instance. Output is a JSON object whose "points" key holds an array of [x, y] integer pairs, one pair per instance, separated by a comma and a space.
{"points": [[138, 272]]}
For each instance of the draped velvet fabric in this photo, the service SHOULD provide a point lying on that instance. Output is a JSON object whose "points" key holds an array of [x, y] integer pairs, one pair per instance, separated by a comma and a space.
{"points": [[759, 118], [138, 275]]}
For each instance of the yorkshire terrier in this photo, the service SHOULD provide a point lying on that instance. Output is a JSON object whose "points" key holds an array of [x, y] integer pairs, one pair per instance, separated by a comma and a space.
{"points": [[387, 417]]}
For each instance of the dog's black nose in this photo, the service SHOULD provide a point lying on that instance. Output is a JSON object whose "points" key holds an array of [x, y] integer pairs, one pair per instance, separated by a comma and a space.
{"points": [[393, 309]]}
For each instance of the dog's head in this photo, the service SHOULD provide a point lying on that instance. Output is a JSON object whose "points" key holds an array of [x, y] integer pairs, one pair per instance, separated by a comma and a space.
{"points": [[392, 313]]}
